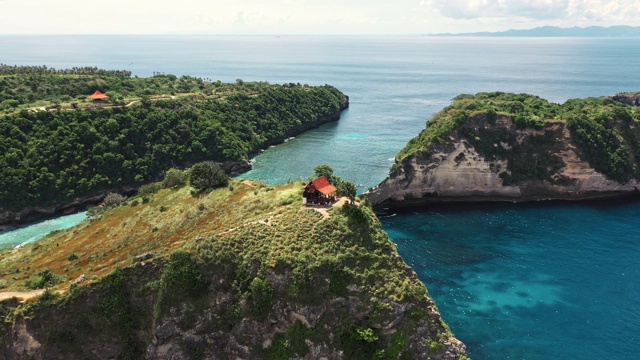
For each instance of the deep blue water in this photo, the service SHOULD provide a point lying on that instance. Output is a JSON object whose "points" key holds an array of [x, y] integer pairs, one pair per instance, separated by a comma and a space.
{"points": [[514, 282]]}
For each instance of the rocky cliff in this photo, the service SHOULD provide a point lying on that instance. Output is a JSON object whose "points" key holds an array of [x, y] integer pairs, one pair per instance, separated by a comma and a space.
{"points": [[508, 147], [245, 272]]}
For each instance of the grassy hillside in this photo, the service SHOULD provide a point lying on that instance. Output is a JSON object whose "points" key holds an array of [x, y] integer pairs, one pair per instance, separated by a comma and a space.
{"points": [[604, 131], [234, 262]]}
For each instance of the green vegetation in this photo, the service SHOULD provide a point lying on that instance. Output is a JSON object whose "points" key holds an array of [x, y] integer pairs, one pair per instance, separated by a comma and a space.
{"points": [[526, 111], [44, 279], [604, 131], [24, 86], [261, 296], [607, 133], [175, 178], [117, 307], [235, 261], [207, 175], [52, 156], [292, 343], [181, 279]]}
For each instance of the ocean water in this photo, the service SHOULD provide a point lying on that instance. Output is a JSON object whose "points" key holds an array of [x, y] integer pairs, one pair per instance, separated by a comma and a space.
{"points": [[12, 237], [514, 282]]}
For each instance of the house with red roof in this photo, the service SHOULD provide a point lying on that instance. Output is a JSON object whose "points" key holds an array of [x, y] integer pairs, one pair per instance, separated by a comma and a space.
{"points": [[319, 192]]}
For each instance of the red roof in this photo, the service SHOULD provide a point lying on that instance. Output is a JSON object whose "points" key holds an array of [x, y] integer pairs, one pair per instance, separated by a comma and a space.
{"points": [[322, 184], [98, 95]]}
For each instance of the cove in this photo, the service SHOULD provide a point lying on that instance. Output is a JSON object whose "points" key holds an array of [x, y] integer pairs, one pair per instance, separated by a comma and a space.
{"points": [[12, 237], [530, 281]]}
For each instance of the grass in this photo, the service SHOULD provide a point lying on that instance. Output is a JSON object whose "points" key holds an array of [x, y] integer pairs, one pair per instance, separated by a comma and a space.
{"points": [[236, 239]]}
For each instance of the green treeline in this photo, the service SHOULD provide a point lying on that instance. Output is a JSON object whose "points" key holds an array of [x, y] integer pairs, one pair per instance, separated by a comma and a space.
{"points": [[51, 156], [21, 86], [605, 133]]}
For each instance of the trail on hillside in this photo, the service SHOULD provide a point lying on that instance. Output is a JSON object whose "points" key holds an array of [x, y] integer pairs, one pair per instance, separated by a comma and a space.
{"points": [[21, 295]]}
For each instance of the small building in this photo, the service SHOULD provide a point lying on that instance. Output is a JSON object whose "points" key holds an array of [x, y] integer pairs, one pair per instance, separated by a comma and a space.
{"points": [[98, 96], [319, 192]]}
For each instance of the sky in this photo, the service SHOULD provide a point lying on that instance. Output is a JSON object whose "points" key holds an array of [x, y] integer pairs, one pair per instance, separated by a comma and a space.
{"points": [[306, 17]]}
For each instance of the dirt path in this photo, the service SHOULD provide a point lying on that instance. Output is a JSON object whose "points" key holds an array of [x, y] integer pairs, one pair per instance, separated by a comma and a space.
{"points": [[249, 183], [22, 296], [324, 211]]}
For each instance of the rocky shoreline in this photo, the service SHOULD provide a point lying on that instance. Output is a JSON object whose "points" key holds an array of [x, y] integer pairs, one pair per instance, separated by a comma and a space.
{"points": [[440, 178]]}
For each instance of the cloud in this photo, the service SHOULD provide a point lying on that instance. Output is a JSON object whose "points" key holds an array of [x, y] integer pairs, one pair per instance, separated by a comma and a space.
{"points": [[307, 16], [535, 9], [559, 12]]}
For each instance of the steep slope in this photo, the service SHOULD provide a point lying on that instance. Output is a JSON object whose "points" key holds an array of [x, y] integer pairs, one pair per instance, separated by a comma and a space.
{"points": [[245, 272], [517, 147]]}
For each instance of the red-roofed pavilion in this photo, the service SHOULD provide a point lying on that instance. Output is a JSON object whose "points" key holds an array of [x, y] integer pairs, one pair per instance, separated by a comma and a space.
{"points": [[97, 96], [319, 191]]}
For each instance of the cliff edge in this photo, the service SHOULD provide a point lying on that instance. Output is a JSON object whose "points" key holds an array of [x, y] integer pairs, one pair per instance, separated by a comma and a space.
{"points": [[244, 272], [518, 147]]}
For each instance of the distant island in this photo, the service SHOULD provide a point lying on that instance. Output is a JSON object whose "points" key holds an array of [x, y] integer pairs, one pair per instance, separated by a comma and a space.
{"points": [[553, 31]]}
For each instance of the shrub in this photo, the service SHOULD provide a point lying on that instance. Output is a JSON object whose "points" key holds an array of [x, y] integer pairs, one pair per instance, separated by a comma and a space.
{"points": [[72, 257], [9, 104], [261, 296], [174, 178], [44, 279], [113, 200], [207, 175], [150, 189], [358, 342], [94, 210], [181, 278]]}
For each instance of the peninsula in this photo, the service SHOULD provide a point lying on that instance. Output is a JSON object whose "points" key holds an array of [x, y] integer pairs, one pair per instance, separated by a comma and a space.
{"points": [[245, 271], [519, 147], [62, 148]]}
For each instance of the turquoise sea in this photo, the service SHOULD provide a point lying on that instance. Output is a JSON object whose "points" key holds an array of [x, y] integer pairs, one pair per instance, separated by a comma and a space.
{"points": [[537, 281], [11, 237]]}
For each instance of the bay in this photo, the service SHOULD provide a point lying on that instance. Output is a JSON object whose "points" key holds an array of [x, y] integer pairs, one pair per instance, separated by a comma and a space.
{"points": [[514, 282]]}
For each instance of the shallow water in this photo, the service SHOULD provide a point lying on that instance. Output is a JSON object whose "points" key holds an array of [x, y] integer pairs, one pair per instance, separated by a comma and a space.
{"points": [[12, 237]]}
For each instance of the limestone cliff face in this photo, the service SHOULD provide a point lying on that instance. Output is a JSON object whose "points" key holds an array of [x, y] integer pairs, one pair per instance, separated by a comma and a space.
{"points": [[458, 172]]}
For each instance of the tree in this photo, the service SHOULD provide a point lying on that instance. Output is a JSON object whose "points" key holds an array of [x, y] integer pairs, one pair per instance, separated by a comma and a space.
{"points": [[207, 175], [174, 178], [348, 189], [323, 170]]}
